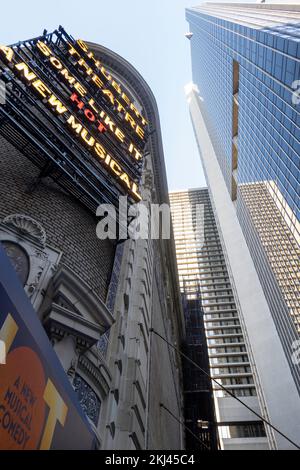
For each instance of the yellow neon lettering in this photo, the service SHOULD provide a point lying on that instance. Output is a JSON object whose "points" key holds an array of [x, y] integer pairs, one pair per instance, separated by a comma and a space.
{"points": [[90, 141], [82, 45], [22, 67], [59, 107], [116, 86], [67, 77], [72, 51], [130, 119], [76, 126], [120, 107], [100, 150], [8, 52], [81, 90], [115, 167], [120, 134], [92, 105], [135, 193], [108, 122], [56, 63], [110, 96], [97, 81], [137, 155], [140, 132], [97, 62], [41, 88], [86, 66], [105, 73], [126, 180], [125, 98], [44, 48], [135, 110]]}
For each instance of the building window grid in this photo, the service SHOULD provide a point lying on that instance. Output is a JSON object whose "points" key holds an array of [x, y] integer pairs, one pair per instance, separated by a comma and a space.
{"points": [[283, 256], [196, 268], [282, 276]]}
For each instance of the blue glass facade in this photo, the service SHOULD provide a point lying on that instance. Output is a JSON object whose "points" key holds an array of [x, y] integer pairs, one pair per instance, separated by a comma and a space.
{"points": [[269, 123], [245, 64]]}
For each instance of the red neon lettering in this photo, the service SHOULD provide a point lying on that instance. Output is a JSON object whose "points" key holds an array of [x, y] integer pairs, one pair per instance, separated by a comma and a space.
{"points": [[75, 99], [89, 115], [101, 127]]}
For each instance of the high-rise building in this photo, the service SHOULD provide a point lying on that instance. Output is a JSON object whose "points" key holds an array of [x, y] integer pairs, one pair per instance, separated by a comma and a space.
{"points": [[244, 105], [205, 282], [77, 122]]}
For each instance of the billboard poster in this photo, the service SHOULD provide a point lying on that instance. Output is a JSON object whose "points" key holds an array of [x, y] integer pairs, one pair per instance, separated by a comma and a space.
{"points": [[39, 409]]}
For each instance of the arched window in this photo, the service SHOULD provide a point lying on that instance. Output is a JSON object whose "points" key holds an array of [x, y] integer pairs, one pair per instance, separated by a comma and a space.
{"points": [[18, 258]]}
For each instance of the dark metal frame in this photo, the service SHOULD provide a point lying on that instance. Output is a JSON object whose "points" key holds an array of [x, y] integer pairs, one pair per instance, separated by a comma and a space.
{"points": [[28, 124]]}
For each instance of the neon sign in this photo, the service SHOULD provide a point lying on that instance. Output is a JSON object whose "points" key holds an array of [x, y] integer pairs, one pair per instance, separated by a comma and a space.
{"points": [[73, 90]]}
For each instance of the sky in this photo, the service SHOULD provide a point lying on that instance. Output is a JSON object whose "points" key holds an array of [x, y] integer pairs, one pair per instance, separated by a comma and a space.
{"points": [[150, 35]]}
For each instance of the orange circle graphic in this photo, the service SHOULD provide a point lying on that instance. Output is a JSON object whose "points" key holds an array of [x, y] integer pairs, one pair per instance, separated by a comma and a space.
{"points": [[22, 407]]}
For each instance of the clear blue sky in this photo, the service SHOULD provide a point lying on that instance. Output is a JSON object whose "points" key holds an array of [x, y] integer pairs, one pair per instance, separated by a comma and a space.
{"points": [[150, 35]]}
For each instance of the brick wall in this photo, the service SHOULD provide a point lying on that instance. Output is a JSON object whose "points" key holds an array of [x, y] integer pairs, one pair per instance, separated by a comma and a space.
{"points": [[70, 227]]}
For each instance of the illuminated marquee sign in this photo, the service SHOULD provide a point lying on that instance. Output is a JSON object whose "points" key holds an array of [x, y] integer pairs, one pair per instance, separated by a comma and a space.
{"points": [[68, 114]]}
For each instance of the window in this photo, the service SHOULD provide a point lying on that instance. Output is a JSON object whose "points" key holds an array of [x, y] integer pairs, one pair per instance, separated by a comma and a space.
{"points": [[19, 259], [247, 430]]}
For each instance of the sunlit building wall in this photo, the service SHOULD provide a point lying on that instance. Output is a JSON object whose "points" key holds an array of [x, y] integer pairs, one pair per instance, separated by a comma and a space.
{"points": [[245, 60], [203, 272], [98, 299]]}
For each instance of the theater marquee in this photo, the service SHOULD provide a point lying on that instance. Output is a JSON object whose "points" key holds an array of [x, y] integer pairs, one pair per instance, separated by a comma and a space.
{"points": [[72, 118]]}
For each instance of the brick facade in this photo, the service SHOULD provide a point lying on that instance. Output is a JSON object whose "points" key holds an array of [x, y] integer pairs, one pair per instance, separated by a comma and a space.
{"points": [[68, 224]]}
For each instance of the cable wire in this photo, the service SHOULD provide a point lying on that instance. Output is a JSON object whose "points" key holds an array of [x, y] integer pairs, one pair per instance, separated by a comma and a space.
{"points": [[183, 424], [226, 390]]}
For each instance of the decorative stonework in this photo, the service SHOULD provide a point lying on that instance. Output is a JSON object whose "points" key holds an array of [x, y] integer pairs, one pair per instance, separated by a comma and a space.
{"points": [[18, 258], [94, 368], [88, 399], [103, 344], [32, 286], [26, 226], [114, 282], [19, 232], [148, 179], [73, 366]]}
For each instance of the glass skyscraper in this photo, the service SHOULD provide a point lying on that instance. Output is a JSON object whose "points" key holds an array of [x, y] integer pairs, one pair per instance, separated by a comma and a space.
{"points": [[245, 108], [210, 307]]}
